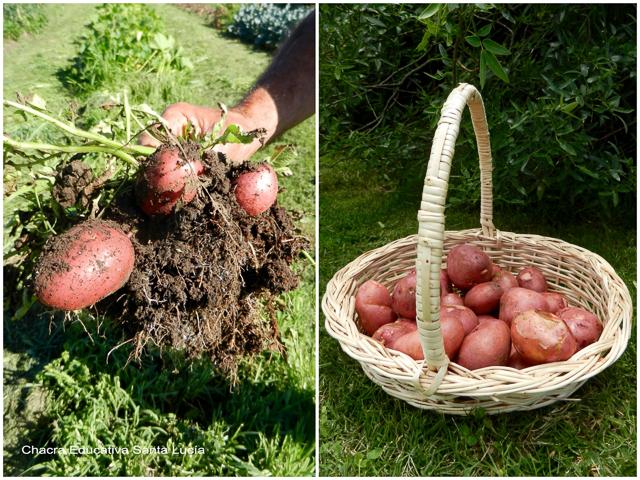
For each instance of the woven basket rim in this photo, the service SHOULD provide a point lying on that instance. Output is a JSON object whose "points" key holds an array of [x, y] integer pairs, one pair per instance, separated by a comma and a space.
{"points": [[442, 381], [479, 383]]}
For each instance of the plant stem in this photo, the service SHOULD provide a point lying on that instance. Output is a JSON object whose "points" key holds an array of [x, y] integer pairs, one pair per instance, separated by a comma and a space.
{"points": [[46, 222], [137, 149], [127, 113], [70, 149], [306, 254]]}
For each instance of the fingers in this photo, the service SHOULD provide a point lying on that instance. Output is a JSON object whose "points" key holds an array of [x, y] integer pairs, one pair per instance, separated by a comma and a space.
{"points": [[178, 115], [146, 140], [236, 152]]}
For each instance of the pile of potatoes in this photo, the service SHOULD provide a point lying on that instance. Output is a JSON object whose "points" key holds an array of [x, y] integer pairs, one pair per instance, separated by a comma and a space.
{"points": [[496, 319]]}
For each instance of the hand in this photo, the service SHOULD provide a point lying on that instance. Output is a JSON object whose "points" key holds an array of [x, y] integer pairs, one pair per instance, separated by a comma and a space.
{"points": [[203, 119]]}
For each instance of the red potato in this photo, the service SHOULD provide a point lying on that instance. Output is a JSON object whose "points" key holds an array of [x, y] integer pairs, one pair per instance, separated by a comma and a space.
{"points": [[517, 300], [373, 305], [542, 337], [496, 269], [445, 283], [487, 345], [505, 280], [389, 333], [585, 326], [405, 320], [465, 315], [165, 179], [483, 298], [82, 266], [487, 318], [452, 335], [256, 191], [468, 266], [451, 299], [533, 279], [403, 299], [408, 321], [516, 360], [556, 301], [410, 344]]}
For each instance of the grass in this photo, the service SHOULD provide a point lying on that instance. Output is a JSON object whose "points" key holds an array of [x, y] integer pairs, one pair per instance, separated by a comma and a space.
{"points": [[365, 432], [59, 388]]}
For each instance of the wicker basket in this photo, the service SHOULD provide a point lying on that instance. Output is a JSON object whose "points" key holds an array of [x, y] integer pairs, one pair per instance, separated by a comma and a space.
{"points": [[584, 278]]}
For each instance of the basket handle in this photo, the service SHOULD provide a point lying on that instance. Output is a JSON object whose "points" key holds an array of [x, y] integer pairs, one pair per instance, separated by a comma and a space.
{"points": [[431, 216]]}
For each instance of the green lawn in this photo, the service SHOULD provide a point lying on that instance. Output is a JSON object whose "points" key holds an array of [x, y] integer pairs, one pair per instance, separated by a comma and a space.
{"points": [[365, 432], [60, 390]]}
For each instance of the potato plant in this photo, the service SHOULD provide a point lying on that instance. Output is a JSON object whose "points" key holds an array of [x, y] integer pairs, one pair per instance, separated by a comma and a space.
{"points": [[156, 206]]}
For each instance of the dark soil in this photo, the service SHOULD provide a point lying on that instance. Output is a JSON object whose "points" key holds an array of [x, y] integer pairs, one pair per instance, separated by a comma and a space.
{"points": [[71, 182], [201, 274]]}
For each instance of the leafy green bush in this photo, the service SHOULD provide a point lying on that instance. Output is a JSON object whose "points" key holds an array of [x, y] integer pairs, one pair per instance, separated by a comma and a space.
{"points": [[558, 83], [126, 39], [19, 18], [266, 24]]}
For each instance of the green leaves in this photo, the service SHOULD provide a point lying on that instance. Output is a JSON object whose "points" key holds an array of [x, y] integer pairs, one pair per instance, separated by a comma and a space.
{"points": [[422, 45], [483, 68], [217, 128], [19, 18], [539, 84], [374, 454], [374, 21], [36, 102], [234, 134], [265, 25], [281, 158], [495, 66], [162, 42], [507, 15], [430, 11], [484, 31], [570, 107], [623, 59], [567, 148], [473, 40], [487, 55], [124, 40], [495, 48], [487, 58]]}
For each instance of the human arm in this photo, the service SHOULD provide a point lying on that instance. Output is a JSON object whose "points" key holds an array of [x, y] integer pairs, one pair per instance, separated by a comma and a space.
{"points": [[281, 98]]}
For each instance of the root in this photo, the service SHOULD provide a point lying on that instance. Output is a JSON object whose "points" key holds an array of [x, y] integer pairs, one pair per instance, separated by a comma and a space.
{"points": [[201, 274], [117, 347]]}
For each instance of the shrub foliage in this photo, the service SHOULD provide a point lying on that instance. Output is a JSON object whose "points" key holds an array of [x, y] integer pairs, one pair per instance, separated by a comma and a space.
{"points": [[126, 39], [558, 83], [266, 24]]}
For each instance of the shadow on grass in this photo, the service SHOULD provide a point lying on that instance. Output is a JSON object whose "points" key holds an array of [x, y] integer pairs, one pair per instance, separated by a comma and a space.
{"points": [[29, 345], [145, 404]]}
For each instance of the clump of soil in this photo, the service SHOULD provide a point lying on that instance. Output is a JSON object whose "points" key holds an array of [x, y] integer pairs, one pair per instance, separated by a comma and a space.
{"points": [[71, 182], [200, 273]]}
